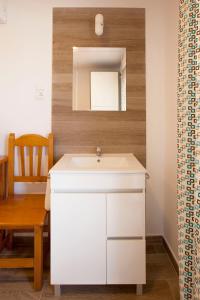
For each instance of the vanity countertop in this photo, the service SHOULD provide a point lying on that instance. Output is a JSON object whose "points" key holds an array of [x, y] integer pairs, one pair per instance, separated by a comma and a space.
{"points": [[91, 163]]}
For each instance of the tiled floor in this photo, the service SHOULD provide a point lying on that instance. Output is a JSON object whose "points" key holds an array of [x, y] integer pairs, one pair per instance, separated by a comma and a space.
{"points": [[162, 281]]}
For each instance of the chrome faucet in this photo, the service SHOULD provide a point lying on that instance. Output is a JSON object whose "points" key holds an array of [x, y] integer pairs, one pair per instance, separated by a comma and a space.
{"points": [[98, 151]]}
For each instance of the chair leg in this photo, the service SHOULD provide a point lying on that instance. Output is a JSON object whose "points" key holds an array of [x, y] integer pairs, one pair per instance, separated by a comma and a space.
{"points": [[38, 257], [9, 240], [2, 239]]}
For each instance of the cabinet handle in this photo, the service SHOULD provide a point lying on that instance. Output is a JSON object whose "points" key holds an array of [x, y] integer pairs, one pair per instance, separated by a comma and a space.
{"points": [[111, 191], [125, 238]]}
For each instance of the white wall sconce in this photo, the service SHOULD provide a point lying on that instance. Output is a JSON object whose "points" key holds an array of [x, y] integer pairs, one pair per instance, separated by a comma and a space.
{"points": [[99, 24]]}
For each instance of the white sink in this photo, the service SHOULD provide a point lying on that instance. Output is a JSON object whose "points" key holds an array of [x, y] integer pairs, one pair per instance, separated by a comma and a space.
{"points": [[88, 172], [97, 163], [92, 163]]}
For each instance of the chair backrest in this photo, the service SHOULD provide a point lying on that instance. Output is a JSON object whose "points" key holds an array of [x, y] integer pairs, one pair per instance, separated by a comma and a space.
{"points": [[30, 158]]}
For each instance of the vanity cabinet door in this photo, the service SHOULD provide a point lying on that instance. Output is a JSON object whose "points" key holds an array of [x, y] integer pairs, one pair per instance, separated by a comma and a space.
{"points": [[126, 215], [126, 262], [78, 238]]}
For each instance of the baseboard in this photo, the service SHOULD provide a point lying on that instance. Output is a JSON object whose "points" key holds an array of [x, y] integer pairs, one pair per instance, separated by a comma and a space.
{"points": [[171, 255]]}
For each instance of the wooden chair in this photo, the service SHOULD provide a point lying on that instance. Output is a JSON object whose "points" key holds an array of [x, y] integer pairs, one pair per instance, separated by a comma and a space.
{"points": [[3, 193], [26, 211], [3, 176]]}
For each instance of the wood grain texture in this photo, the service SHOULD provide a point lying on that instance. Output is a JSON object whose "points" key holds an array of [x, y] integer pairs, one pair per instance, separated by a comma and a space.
{"points": [[25, 211], [3, 176], [76, 131], [16, 263], [38, 257], [29, 141]]}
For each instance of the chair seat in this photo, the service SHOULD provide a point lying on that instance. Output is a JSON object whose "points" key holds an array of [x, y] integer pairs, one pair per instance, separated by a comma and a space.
{"points": [[22, 211]]}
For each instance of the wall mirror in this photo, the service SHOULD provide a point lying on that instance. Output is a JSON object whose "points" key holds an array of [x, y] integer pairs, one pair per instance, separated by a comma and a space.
{"points": [[99, 79]]}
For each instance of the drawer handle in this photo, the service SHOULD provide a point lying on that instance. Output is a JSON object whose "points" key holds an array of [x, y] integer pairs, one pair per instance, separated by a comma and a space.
{"points": [[122, 238], [92, 191]]}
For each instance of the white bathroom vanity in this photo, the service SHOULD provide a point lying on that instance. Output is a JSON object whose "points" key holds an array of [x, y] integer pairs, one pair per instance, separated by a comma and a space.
{"points": [[98, 221]]}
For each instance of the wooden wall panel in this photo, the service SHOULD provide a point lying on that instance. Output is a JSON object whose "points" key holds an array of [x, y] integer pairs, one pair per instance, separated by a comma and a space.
{"points": [[77, 132]]}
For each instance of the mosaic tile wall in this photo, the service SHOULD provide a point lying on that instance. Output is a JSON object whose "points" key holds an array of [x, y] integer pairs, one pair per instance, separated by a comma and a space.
{"points": [[189, 149]]}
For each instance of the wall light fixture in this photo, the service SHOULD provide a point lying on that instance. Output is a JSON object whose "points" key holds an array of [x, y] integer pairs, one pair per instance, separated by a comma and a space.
{"points": [[99, 24]]}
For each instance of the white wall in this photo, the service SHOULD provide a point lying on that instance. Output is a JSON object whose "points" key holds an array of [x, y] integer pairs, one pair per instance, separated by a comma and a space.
{"points": [[171, 75], [25, 61]]}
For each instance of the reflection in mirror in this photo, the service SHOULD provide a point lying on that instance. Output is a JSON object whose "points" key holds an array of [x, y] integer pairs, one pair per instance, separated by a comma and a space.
{"points": [[99, 79]]}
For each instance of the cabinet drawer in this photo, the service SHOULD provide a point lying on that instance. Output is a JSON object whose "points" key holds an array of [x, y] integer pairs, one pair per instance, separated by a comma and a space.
{"points": [[101, 182], [126, 262], [125, 215]]}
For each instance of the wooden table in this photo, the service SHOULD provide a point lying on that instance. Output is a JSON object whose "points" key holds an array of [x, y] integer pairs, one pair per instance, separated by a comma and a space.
{"points": [[3, 176]]}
